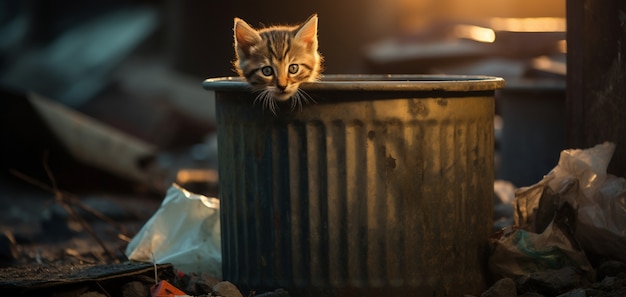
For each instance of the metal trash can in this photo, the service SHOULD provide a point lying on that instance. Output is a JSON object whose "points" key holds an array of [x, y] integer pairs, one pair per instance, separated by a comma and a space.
{"points": [[383, 187]]}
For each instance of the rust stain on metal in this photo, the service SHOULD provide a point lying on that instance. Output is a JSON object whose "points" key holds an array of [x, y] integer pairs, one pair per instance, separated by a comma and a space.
{"points": [[417, 108], [391, 163]]}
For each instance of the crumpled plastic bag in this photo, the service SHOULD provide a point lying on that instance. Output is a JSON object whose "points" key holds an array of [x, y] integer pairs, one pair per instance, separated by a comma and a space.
{"points": [[575, 210], [184, 231], [520, 252], [580, 179]]}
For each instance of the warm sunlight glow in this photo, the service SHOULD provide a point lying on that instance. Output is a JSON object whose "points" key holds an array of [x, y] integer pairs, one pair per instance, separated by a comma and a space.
{"points": [[476, 33], [544, 63], [194, 175], [562, 45], [544, 24]]}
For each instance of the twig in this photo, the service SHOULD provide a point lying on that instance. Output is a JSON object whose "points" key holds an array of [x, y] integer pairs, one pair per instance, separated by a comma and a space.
{"points": [[64, 200], [74, 253], [59, 197], [103, 290], [98, 256], [76, 202], [73, 200]]}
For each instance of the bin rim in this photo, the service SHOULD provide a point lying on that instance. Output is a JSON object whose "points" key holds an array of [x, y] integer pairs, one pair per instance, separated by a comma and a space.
{"points": [[377, 82]]}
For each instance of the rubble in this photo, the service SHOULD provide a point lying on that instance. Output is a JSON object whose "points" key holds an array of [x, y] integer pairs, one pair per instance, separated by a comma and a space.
{"points": [[568, 234], [608, 277], [551, 281], [226, 289], [504, 287], [566, 282]]}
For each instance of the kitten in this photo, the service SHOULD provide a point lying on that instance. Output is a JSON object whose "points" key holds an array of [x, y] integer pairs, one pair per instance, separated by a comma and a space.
{"points": [[275, 60]]}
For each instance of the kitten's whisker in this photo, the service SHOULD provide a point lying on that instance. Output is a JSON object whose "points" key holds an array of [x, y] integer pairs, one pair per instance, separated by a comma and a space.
{"points": [[300, 98], [306, 97], [273, 106], [295, 101], [265, 99], [270, 102], [259, 97]]}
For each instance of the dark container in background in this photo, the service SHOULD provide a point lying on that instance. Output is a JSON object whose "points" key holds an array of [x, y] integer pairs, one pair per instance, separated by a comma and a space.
{"points": [[383, 187], [533, 130]]}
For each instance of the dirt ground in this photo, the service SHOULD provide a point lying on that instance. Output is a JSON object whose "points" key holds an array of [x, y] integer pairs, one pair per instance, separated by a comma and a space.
{"points": [[86, 222], [67, 242]]}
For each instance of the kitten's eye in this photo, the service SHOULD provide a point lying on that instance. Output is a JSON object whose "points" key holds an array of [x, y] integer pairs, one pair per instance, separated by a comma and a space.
{"points": [[293, 68], [267, 70]]}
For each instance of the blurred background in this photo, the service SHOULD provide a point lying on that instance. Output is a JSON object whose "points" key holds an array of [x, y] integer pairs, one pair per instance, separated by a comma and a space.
{"points": [[137, 67], [104, 98]]}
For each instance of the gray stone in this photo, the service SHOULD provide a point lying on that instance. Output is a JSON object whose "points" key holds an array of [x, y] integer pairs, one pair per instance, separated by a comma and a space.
{"points": [[608, 283], [200, 284], [135, 289], [596, 292], [226, 289], [92, 294], [275, 293], [502, 288], [531, 294], [611, 268], [551, 282], [574, 293]]}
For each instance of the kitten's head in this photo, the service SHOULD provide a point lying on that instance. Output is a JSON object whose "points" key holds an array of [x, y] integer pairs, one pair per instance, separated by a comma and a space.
{"points": [[275, 60]]}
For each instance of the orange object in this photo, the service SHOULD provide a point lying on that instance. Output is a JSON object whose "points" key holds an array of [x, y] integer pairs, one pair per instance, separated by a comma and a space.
{"points": [[165, 289]]}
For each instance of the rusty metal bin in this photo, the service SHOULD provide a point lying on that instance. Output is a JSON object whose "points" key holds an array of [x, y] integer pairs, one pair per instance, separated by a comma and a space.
{"points": [[383, 187]]}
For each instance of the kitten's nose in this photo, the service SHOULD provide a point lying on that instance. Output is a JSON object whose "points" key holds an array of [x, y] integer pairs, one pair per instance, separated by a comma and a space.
{"points": [[281, 87]]}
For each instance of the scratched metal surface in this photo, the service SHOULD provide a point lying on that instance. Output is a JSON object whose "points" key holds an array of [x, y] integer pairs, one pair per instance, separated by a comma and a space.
{"points": [[371, 192]]}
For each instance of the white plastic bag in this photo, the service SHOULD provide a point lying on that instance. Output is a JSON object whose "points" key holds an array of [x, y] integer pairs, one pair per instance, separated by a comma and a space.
{"points": [[184, 231], [580, 179]]}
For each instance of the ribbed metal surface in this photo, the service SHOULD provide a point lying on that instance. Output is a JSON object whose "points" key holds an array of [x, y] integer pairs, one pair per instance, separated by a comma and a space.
{"points": [[357, 198]]}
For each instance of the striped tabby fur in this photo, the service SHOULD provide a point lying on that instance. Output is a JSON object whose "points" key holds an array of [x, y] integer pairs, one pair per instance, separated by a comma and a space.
{"points": [[275, 60]]}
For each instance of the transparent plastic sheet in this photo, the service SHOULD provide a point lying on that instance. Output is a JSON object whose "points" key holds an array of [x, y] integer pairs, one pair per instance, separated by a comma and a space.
{"points": [[520, 252], [184, 231], [598, 223]]}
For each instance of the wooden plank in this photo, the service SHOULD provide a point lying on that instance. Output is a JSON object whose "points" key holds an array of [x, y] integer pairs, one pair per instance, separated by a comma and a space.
{"points": [[596, 91]]}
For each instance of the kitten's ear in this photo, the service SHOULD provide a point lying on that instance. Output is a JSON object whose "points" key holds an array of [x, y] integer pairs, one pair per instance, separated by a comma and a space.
{"points": [[245, 36], [307, 33]]}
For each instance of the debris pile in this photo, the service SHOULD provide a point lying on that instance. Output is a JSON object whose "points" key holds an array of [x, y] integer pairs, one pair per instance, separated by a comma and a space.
{"points": [[564, 236], [569, 236]]}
